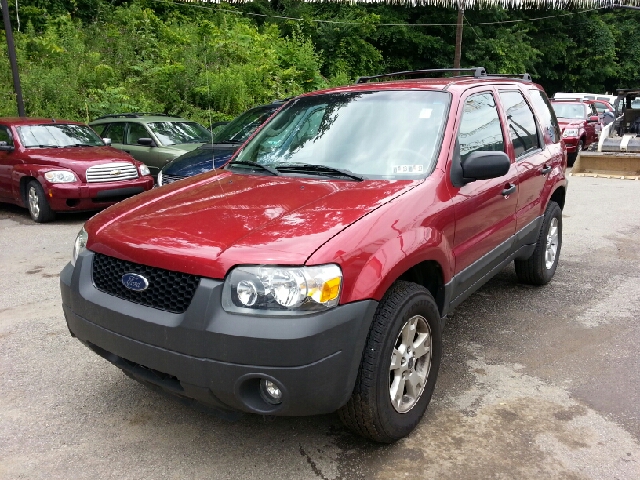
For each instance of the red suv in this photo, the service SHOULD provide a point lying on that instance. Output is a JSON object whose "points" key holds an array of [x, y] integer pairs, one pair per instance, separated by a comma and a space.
{"points": [[578, 121], [314, 272], [50, 165]]}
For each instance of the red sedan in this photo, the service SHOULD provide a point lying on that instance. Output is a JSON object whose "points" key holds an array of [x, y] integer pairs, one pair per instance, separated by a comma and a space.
{"points": [[50, 165]]}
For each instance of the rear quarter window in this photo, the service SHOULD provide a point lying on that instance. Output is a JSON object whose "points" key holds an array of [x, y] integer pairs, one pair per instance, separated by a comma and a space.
{"points": [[546, 115]]}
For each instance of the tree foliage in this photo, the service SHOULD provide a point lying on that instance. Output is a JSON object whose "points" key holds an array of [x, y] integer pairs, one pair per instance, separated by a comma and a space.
{"points": [[83, 58]]}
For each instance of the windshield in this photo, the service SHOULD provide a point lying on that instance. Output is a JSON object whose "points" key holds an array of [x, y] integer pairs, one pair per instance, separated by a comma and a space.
{"points": [[243, 126], [569, 110], [176, 133], [58, 135], [384, 134]]}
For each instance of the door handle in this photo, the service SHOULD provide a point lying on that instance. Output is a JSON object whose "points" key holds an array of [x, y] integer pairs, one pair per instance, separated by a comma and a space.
{"points": [[508, 189], [545, 170]]}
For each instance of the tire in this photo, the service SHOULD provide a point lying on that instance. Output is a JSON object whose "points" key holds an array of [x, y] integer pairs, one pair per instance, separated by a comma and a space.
{"points": [[37, 203], [571, 158], [370, 411], [539, 269]]}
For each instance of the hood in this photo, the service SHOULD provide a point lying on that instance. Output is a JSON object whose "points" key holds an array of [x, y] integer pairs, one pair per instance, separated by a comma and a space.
{"points": [[570, 123], [200, 160], [183, 147], [207, 224], [76, 158]]}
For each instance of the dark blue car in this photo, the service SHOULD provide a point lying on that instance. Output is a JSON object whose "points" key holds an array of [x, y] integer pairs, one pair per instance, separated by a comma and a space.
{"points": [[225, 143]]}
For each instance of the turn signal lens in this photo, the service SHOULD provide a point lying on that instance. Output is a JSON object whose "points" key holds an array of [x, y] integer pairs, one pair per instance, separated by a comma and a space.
{"points": [[282, 289]]}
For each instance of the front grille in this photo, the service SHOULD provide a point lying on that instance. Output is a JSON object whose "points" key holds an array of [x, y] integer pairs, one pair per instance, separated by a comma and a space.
{"points": [[167, 290], [111, 172], [167, 179]]}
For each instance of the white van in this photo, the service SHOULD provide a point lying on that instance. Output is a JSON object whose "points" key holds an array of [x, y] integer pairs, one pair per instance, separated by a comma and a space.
{"points": [[585, 96]]}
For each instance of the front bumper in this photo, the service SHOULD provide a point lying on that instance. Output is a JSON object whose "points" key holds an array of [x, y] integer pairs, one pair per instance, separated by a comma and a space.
{"points": [[93, 196], [571, 143], [218, 358]]}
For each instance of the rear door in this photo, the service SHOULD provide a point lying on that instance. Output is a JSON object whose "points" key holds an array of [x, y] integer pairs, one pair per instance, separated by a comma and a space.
{"points": [[484, 209], [526, 148]]}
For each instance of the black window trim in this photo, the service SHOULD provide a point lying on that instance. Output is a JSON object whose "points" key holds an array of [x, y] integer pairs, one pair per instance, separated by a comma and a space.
{"points": [[144, 125], [541, 143]]}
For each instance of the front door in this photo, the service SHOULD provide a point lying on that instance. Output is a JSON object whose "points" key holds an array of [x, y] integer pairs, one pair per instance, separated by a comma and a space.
{"points": [[485, 210], [7, 160], [145, 154]]}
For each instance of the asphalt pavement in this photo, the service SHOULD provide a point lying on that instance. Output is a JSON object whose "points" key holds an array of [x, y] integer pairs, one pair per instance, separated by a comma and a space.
{"points": [[535, 382]]}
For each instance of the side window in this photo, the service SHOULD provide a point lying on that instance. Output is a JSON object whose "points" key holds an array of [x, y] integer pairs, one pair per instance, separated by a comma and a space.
{"points": [[521, 122], [480, 128], [115, 132], [136, 131], [100, 129], [546, 114], [601, 107], [5, 135]]}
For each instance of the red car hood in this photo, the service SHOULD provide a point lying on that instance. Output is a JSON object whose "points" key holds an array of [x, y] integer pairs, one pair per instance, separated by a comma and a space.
{"points": [[77, 159], [568, 122], [206, 224]]}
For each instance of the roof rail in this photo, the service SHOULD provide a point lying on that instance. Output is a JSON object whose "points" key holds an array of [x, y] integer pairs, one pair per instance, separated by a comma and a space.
{"points": [[521, 76], [134, 115], [478, 72]]}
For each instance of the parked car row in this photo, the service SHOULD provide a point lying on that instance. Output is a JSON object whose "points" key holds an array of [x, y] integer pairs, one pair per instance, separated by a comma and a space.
{"points": [[581, 119], [314, 271], [52, 165]]}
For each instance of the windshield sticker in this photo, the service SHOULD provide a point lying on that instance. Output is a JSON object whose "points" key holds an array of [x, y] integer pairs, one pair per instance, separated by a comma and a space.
{"points": [[426, 113], [408, 169]]}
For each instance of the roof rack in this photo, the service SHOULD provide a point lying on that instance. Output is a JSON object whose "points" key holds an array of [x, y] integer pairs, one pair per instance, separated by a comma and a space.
{"points": [[134, 115], [478, 72]]}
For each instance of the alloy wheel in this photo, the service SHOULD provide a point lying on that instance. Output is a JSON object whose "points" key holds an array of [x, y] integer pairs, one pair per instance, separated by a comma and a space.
{"points": [[552, 243], [410, 364], [34, 202]]}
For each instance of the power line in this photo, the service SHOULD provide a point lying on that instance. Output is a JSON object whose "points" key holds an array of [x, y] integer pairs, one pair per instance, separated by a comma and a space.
{"points": [[340, 22]]}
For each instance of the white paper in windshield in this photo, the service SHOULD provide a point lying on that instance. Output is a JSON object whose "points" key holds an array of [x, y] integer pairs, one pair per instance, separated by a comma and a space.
{"points": [[408, 169], [426, 113]]}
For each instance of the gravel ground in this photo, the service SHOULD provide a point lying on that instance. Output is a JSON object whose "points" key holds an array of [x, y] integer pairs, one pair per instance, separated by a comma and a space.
{"points": [[535, 382]]}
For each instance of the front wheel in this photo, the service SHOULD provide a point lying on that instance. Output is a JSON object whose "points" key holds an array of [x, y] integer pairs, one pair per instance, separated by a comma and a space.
{"points": [[399, 367], [540, 267], [37, 203], [573, 156]]}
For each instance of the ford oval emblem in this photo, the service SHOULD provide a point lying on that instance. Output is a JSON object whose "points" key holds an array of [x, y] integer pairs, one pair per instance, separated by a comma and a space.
{"points": [[135, 282]]}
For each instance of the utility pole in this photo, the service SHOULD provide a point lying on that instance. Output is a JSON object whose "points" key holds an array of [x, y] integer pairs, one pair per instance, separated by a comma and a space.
{"points": [[460, 24], [11, 48]]}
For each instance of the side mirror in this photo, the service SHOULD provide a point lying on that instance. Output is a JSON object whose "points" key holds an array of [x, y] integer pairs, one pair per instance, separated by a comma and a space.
{"points": [[107, 141], [147, 142], [5, 147], [485, 165], [593, 118]]}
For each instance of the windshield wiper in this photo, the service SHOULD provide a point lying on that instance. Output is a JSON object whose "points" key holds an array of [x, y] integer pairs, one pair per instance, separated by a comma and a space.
{"points": [[46, 146], [81, 145], [319, 169], [266, 168]]}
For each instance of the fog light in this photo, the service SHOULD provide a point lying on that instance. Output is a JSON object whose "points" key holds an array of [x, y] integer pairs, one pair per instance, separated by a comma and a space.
{"points": [[270, 392]]}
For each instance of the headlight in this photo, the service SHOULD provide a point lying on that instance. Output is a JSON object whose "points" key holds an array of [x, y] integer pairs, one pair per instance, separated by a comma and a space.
{"points": [[570, 132], [79, 245], [160, 178], [144, 170], [296, 290], [60, 176]]}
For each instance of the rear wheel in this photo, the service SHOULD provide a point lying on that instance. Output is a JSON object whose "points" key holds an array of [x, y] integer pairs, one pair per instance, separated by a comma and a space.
{"points": [[37, 203], [540, 267], [399, 366]]}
